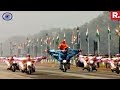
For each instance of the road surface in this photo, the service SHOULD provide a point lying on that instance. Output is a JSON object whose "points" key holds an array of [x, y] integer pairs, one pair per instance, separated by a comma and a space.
{"points": [[51, 71]]}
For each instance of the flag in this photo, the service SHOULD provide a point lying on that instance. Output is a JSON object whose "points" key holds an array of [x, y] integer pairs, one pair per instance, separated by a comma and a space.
{"points": [[29, 41], [87, 35], [50, 43], [73, 37], [20, 46], [44, 40], [64, 37], [24, 45], [57, 39], [98, 34], [109, 32], [48, 40], [41, 42], [28, 44], [37, 40]]}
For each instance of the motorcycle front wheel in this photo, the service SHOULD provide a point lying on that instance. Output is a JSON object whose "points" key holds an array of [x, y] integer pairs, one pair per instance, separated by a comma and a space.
{"points": [[13, 68]]}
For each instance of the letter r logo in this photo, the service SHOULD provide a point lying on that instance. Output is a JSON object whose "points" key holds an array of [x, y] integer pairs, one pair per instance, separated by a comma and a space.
{"points": [[115, 15]]}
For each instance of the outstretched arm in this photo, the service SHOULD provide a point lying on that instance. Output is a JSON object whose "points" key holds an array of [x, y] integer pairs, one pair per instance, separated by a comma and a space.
{"points": [[72, 53], [57, 54]]}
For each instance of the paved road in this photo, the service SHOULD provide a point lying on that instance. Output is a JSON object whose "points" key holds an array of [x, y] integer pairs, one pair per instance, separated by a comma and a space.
{"points": [[44, 71]]}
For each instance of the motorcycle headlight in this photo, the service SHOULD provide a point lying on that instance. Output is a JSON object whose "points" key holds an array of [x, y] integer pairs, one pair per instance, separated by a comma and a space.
{"points": [[29, 63], [91, 62], [64, 61], [118, 63], [14, 62]]}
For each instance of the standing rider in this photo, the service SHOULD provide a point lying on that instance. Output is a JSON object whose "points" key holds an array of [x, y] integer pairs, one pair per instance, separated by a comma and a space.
{"points": [[64, 47]]}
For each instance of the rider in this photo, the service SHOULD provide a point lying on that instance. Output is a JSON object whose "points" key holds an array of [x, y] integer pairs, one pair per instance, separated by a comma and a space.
{"points": [[28, 57], [64, 53], [10, 60], [64, 47], [61, 53]]}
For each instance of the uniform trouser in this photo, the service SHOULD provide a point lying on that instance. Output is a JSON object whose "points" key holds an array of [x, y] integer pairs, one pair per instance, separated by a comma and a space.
{"points": [[98, 65]]}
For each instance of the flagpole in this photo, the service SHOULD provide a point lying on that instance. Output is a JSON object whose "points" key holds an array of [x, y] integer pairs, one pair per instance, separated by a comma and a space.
{"points": [[98, 36], [10, 48], [35, 48], [78, 38], [80, 43], [54, 44], [88, 45], [87, 40], [53, 48], [46, 47], [98, 46], [109, 45]]}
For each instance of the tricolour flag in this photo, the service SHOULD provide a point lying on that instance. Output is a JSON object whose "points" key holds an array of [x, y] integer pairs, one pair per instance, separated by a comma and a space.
{"points": [[73, 37], [64, 37], [109, 32], [48, 40], [87, 35], [41, 42], [98, 34], [37, 40]]}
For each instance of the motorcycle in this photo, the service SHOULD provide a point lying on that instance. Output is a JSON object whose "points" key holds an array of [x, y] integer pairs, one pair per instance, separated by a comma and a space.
{"points": [[30, 68], [27, 67], [14, 66], [63, 56], [65, 65], [118, 68], [91, 66], [22, 66], [114, 66], [79, 64]]}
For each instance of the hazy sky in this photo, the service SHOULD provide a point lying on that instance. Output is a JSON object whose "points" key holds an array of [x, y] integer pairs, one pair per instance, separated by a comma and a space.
{"points": [[30, 22]]}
